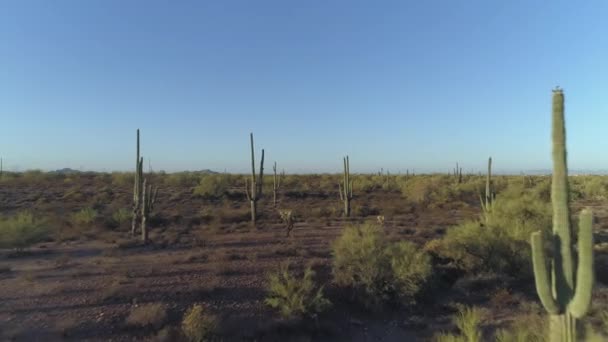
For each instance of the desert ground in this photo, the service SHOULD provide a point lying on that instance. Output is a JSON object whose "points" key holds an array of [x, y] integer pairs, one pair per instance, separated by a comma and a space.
{"points": [[89, 279]]}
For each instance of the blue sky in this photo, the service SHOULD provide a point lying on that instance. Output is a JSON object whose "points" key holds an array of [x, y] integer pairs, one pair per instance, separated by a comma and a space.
{"points": [[394, 84]]}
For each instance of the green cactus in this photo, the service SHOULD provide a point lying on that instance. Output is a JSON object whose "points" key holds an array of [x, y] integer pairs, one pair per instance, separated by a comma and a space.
{"points": [[256, 187], [137, 188], [142, 203], [148, 195], [486, 206], [565, 295], [276, 185], [346, 188]]}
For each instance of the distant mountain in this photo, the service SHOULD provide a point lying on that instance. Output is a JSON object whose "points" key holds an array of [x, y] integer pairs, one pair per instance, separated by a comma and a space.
{"points": [[65, 171]]}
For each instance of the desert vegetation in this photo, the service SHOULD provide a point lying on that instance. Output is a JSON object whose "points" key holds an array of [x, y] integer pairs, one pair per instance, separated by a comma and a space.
{"points": [[327, 257]]}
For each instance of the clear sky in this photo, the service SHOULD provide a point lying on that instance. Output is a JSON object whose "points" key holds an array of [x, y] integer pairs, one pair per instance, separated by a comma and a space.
{"points": [[394, 84]]}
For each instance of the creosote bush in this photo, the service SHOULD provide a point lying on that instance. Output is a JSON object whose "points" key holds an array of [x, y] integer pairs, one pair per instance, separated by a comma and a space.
{"points": [[198, 325], [21, 231], [376, 270], [295, 297]]}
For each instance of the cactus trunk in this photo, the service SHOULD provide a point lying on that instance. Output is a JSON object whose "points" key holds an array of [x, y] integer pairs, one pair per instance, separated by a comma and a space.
{"points": [[255, 193], [346, 189], [565, 296]]}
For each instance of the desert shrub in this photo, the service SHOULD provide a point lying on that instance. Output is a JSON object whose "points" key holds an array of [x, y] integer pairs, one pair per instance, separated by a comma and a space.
{"points": [[520, 215], [526, 328], [212, 186], [122, 179], [197, 325], [411, 268], [594, 187], [152, 314], [84, 216], [477, 248], [467, 321], [432, 189], [121, 216], [21, 231], [376, 270], [182, 179], [328, 183], [34, 176], [295, 297], [501, 243]]}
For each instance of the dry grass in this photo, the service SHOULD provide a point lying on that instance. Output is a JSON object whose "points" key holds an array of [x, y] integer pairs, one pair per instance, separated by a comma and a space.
{"points": [[148, 315]]}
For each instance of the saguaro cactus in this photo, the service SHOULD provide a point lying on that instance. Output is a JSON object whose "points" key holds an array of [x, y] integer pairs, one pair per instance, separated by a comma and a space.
{"points": [[488, 181], [143, 202], [137, 188], [565, 290], [276, 183], [346, 189], [486, 203], [148, 200], [255, 193]]}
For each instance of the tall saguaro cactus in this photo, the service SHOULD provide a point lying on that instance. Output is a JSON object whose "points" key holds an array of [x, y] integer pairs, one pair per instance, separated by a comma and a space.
{"points": [[488, 200], [255, 193], [346, 188], [488, 181], [143, 202], [276, 184], [148, 200], [565, 289], [137, 188]]}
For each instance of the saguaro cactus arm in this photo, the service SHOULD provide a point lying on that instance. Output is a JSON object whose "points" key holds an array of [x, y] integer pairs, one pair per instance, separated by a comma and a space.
{"points": [[584, 274], [542, 278]]}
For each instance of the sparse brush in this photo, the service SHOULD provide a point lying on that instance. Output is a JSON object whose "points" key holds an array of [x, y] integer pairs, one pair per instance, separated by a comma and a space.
{"points": [[21, 231], [376, 270], [526, 328], [198, 325], [467, 321], [121, 216], [212, 186], [84, 216], [152, 314], [295, 297], [288, 219]]}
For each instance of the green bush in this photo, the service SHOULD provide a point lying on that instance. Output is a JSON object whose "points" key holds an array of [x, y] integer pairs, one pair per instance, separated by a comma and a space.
{"points": [[477, 248], [84, 216], [181, 179], [121, 216], [212, 186], [501, 243], [376, 270], [411, 269], [21, 231], [595, 188], [197, 325], [123, 179], [295, 297]]}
